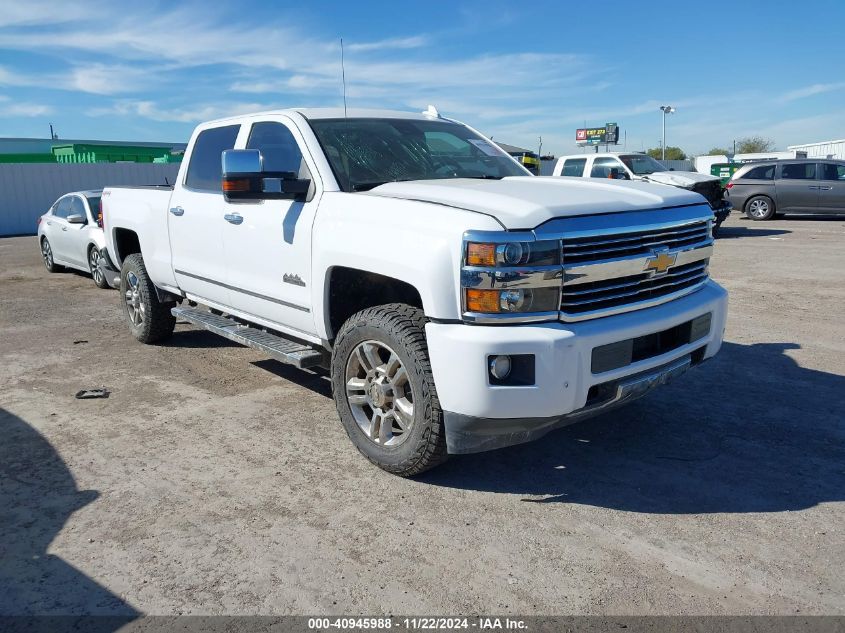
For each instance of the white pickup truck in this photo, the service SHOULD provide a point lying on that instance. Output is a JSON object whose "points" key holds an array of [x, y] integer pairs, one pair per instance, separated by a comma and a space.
{"points": [[459, 303]]}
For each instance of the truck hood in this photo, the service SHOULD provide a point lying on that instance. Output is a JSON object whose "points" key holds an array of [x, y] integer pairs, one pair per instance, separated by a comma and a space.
{"points": [[525, 202], [685, 179]]}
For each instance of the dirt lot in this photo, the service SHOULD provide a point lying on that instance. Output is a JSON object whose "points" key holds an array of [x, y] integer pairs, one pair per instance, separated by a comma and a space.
{"points": [[216, 481]]}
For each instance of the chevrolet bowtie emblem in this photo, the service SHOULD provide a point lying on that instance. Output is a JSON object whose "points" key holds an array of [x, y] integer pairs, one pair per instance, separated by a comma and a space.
{"points": [[660, 263]]}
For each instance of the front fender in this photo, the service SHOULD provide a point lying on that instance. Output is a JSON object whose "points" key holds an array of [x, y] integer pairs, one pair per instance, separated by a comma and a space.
{"points": [[414, 242]]}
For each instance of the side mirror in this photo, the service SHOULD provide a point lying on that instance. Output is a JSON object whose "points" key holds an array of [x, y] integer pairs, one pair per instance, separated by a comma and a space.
{"points": [[245, 179], [75, 218]]}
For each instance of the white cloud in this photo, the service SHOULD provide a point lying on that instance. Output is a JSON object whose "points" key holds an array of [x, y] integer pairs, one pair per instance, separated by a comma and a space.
{"points": [[809, 91], [9, 108], [196, 114]]}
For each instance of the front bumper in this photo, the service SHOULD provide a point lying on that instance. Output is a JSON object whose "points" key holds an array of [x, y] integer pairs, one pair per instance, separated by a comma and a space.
{"points": [[722, 211], [111, 274], [480, 416]]}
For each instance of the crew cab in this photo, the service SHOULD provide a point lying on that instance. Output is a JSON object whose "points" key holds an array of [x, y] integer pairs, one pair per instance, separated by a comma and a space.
{"points": [[459, 303], [634, 166]]}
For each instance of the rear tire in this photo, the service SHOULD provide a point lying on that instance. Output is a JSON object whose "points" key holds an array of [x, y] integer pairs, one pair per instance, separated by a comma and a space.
{"points": [[47, 256], [384, 389], [94, 266], [149, 319], [760, 208]]}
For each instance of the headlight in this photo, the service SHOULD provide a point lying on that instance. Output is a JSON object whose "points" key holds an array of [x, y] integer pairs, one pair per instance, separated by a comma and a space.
{"points": [[514, 279], [545, 253], [515, 301]]}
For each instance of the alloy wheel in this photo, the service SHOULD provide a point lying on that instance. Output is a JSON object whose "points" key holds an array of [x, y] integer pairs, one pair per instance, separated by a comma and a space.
{"points": [[134, 305], [47, 254], [758, 208], [94, 265], [379, 393]]}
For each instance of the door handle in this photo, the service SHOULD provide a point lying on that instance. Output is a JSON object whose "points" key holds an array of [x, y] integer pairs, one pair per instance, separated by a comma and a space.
{"points": [[825, 188], [177, 211], [233, 218], [64, 228], [816, 187]]}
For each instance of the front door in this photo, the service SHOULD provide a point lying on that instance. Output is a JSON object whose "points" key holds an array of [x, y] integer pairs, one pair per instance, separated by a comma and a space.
{"points": [[268, 243], [57, 231], [797, 188], [832, 188], [77, 234], [196, 218]]}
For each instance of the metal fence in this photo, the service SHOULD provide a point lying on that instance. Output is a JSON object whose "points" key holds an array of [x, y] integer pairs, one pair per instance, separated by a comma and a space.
{"points": [[28, 190]]}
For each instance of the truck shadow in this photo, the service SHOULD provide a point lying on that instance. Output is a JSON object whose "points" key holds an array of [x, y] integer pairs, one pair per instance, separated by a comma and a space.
{"points": [[37, 496], [732, 232], [749, 431]]}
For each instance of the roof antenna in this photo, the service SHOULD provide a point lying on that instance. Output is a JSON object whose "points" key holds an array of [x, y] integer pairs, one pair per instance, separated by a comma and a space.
{"points": [[343, 75]]}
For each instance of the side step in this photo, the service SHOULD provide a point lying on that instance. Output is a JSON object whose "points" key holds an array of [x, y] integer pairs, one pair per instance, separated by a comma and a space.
{"points": [[282, 349]]}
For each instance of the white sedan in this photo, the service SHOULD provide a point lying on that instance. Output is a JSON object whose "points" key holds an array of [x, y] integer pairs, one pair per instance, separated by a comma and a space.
{"points": [[70, 234]]}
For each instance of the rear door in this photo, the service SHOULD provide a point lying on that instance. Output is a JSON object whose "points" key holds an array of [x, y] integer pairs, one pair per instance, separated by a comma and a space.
{"points": [[832, 188], [195, 218], [797, 188], [573, 167], [268, 243]]}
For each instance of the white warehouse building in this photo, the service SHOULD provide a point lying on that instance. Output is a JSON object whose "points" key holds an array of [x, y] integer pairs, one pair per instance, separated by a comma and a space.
{"points": [[825, 149]]}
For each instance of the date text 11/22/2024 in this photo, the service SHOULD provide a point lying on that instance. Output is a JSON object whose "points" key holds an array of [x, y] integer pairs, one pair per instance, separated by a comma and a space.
{"points": [[412, 624]]}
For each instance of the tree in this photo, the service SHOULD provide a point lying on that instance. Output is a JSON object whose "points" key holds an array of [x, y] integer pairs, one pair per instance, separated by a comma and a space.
{"points": [[672, 153], [754, 145], [717, 151]]}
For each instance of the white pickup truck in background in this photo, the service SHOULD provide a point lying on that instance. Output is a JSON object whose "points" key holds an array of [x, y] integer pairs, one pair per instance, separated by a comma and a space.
{"points": [[644, 168], [459, 303]]}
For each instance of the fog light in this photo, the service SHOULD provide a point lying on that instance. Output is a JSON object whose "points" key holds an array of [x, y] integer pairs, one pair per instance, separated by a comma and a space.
{"points": [[500, 367]]}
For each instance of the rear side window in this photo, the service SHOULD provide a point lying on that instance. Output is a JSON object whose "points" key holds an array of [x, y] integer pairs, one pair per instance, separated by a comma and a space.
{"points": [[206, 169], [764, 172], [832, 171], [94, 205], [799, 171], [279, 149], [573, 167]]}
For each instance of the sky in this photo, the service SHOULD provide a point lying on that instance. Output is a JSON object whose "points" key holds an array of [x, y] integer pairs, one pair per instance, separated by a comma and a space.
{"points": [[517, 71]]}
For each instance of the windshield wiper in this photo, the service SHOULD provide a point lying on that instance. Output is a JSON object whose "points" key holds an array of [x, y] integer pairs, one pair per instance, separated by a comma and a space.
{"points": [[485, 177], [366, 186]]}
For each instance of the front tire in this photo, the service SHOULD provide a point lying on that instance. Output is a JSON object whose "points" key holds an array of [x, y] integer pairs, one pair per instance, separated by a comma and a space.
{"points": [[47, 255], [384, 389], [94, 266], [149, 319], [760, 208]]}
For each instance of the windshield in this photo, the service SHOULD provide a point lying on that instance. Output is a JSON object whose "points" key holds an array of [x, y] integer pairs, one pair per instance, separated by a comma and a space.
{"points": [[642, 164], [366, 153]]}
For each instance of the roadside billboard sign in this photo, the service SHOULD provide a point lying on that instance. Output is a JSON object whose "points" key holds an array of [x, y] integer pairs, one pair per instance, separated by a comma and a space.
{"points": [[608, 133]]}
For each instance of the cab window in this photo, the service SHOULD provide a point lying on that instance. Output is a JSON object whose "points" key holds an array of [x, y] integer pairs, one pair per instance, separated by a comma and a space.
{"points": [[205, 171], [606, 167], [278, 147], [573, 167]]}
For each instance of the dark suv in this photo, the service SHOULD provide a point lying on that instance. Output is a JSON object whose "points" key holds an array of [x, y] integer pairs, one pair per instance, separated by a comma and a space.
{"points": [[788, 186]]}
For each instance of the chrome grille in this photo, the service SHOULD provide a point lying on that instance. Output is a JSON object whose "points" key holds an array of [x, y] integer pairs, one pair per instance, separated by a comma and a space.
{"points": [[607, 272], [577, 299], [592, 248]]}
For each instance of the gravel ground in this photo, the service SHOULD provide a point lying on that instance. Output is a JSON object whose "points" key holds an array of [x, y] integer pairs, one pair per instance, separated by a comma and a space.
{"points": [[215, 481]]}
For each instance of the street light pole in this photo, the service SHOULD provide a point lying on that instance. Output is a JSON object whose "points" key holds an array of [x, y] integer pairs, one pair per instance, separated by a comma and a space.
{"points": [[666, 110]]}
